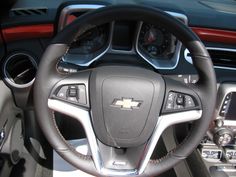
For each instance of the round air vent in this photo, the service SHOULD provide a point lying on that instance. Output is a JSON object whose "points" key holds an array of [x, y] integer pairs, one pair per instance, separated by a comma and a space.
{"points": [[20, 70]]}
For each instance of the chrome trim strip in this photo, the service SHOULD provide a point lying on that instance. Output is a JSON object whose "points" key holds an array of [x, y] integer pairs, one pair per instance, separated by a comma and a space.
{"points": [[175, 58], [74, 8], [230, 123], [111, 172], [189, 59], [230, 169], [180, 16], [9, 80], [83, 117]]}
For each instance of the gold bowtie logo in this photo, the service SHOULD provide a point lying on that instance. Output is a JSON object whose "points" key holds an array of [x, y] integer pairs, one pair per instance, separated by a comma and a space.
{"points": [[127, 103]]}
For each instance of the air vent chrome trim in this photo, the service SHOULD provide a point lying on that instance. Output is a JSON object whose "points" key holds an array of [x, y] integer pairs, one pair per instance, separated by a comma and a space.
{"points": [[9, 80], [189, 59]]}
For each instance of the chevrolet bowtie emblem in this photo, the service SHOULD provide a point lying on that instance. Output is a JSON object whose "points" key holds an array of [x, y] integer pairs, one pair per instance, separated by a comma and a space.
{"points": [[127, 103]]}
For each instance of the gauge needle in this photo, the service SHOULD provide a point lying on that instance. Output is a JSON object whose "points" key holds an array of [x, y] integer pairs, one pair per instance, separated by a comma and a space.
{"points": [[151, 37]]}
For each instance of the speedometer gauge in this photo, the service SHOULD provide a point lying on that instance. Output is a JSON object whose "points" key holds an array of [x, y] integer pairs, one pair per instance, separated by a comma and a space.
{"points": [[154, 41], [89, 46], [91, 41]]}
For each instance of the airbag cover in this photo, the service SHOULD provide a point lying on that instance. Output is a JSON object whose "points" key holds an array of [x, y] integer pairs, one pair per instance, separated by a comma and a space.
{"points": [[125, 104]]}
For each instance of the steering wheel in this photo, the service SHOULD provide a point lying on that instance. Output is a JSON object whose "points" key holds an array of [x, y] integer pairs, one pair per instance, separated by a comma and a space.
{"points": [[124, 109]]}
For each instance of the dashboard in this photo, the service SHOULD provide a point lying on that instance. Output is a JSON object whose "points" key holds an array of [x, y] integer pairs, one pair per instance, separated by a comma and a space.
{"points": [[29, 27]]}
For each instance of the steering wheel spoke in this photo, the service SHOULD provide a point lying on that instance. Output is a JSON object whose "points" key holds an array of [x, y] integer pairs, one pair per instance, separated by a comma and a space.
{"points": [[81, 114], [181, 104]]}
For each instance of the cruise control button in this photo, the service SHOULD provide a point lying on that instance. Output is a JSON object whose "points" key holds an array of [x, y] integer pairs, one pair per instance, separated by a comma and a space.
{"points": [[73, 91], [189, 101], [62, 92]]}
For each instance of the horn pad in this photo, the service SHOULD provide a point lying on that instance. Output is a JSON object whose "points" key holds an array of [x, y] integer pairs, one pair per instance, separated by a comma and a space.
{"points": [[125, 104]]}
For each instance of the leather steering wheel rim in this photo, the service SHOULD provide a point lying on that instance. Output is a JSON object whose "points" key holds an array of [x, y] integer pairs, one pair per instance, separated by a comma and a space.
{"points": [[48, 76]]}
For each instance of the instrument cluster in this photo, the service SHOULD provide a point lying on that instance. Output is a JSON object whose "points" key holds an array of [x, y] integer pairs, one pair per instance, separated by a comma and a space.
{"points": [[155, 44]]}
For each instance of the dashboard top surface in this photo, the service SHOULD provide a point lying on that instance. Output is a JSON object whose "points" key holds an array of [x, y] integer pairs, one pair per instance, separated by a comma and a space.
{"points": [[205, 13]]}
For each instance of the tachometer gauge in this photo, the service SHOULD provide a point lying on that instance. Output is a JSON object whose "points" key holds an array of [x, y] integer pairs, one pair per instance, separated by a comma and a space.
{"points": [[154, 41]]}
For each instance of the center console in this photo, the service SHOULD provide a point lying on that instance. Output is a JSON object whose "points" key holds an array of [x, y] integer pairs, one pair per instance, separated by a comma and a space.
{"points": [[218, 148]]}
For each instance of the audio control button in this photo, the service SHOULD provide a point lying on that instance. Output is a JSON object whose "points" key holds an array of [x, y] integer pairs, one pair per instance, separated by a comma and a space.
{"points": [[62, 92], [179, 101], [170, 101]]}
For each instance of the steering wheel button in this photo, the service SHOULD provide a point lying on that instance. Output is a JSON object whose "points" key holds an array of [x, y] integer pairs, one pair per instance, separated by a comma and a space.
{"points": [[189, 101], [170, 101], [82, 94], [180, 99], [62, 92], [170, 105], [171, 96], [72, 91], [73, 99], [178, 106]]}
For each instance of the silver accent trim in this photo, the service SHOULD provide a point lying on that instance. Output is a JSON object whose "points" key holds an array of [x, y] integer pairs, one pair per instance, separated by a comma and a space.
{"points": [[7, 77], [75, 8], [230, 123], [189, 59], [87, 63], [173, 62], [229, 169], [223, 90], [83, 117]]}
